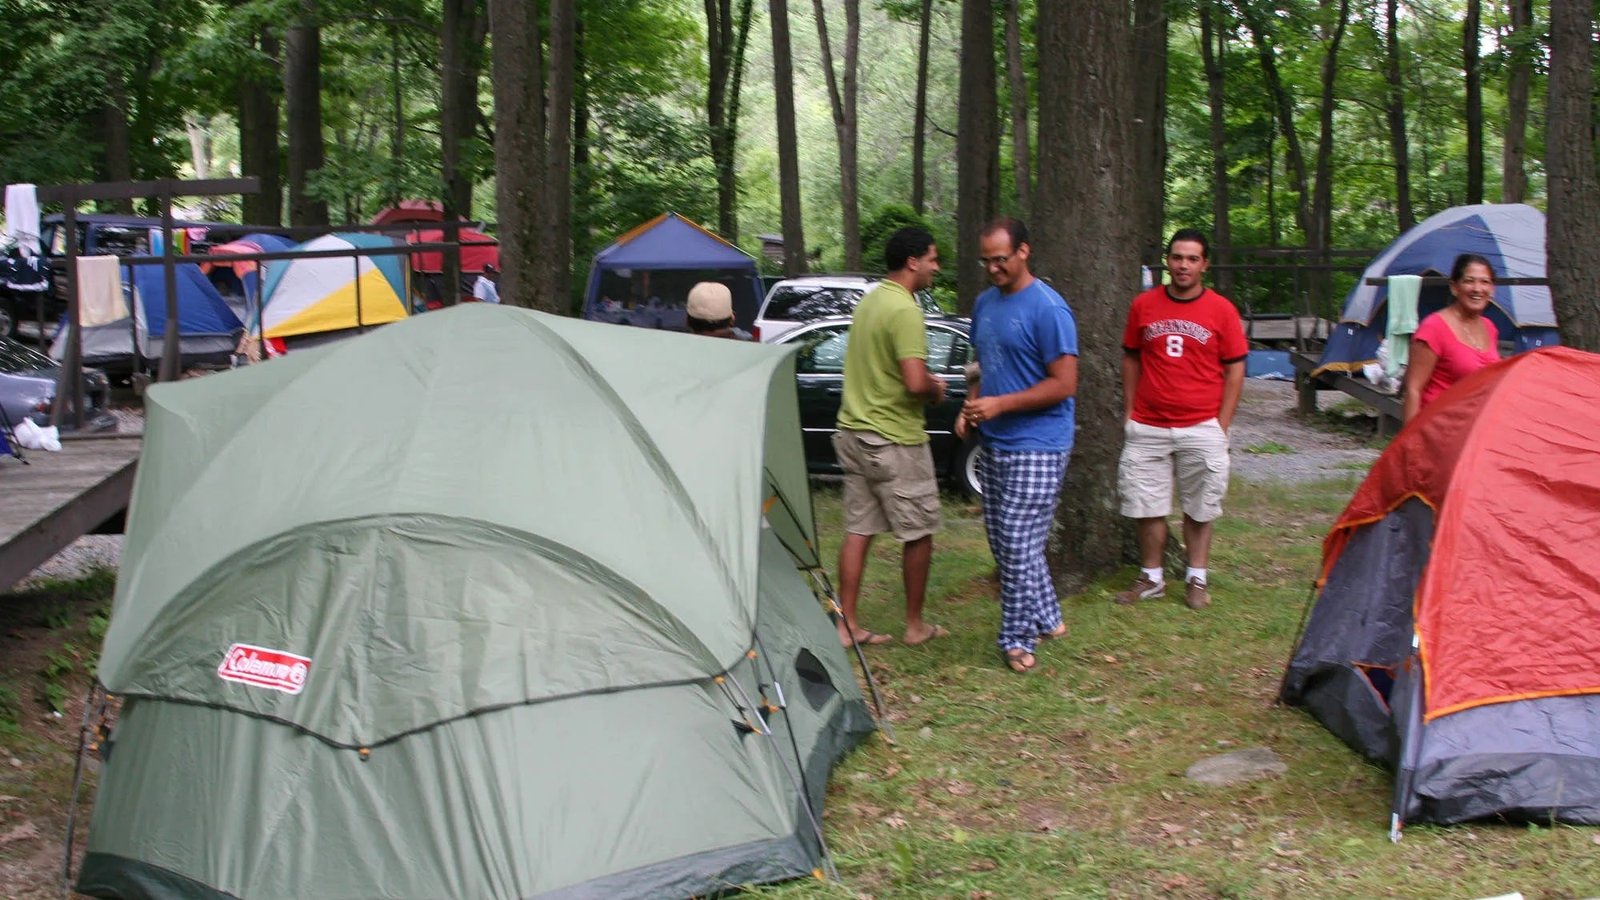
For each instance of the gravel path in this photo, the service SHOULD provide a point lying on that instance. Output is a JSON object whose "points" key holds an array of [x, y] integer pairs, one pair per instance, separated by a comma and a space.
{"points": [[1285, 449]]}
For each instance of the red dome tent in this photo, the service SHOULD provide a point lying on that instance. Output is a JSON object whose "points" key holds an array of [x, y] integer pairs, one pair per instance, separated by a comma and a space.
{"points": [[1456, 633]]}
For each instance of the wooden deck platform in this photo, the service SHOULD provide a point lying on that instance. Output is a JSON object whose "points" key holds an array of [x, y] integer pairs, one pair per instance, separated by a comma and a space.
{"points": [[59, 497], [1389, 407]]}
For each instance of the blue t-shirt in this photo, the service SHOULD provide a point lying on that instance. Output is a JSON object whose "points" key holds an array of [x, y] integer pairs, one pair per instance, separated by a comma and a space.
{"points": [[1017, 336]]}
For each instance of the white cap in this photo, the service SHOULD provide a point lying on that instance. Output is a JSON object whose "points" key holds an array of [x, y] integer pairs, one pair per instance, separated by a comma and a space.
{"points": [[710, 301]]}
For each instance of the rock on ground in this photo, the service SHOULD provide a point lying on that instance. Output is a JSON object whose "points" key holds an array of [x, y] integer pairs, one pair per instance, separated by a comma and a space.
{"points": [[1252, 764]]}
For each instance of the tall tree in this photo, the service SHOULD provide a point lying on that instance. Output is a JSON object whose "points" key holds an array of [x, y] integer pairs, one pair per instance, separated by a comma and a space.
{"points": [[1470, 63], [1574, 188], [1213, 53], [1283, 109], [919, 130], [463, 27], [843, 102], [1514, 174], [557, 261], [1150, 118], [1086, 174], [1017, 78], [1395, 107], [302, 90], [977, 144], [259, 155], [519, 151], [794, 235], [726, 36], [1320, 236]]}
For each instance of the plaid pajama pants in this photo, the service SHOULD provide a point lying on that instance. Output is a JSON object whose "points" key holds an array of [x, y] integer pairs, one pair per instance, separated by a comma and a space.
{"points": [[1020, 490]]}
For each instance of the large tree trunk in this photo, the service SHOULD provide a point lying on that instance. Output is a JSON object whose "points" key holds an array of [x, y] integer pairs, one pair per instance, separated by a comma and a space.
{"points": [[843, 102], [1396, 108], [461, 36], [1574, 188], [977, 145], [519, 150], [1320, 237], [1150, 119], [302, 91], [1086, 242], [726, 36], [116, 136], [1213, 50], [1514, 174], [558, 159], [259, 154], [1474, 73], [919, 132], [1017, 78], [794, 235]]}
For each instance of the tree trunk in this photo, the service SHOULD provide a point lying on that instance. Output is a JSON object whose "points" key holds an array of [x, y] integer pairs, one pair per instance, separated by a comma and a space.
{"points": [[1283, 108], [259, 155], [461, 35], [794, 235], [1150, 119], [1396, 108], [977, 145], [1320, 237], [919, 133], [1574, 188], [1474, 73], [116, 135], [1514, 174], [843, 103], [519, 150], [558, 159], [1213, 49], [302, 91], [1017, 76], [1084, 243], [726, 35]]}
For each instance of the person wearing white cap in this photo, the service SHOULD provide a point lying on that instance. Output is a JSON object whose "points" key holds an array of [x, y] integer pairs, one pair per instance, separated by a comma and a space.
{"points": [[710, 311]]}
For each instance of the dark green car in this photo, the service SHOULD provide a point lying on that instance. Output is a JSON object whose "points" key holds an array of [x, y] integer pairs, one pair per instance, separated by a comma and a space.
{"points": [[819, 371]]}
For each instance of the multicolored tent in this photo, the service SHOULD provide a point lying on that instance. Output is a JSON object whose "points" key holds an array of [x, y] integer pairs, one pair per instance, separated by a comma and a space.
{"points": [[317, 295], [385, 629], [1456, 635], [1509, 235]]}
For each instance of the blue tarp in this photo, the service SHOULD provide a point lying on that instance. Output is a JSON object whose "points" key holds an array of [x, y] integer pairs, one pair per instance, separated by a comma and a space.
{"points": [[684, 252], [1509, 235]]}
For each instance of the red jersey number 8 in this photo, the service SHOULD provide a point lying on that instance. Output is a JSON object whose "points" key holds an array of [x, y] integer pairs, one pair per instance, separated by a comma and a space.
{"points": [[1174, 345]]}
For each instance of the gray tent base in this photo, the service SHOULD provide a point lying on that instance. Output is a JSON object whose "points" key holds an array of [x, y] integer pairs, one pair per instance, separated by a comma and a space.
{"points": [[1527, 760]]}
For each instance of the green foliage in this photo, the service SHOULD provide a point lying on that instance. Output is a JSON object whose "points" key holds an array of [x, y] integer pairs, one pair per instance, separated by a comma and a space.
{"points": [[875, 230], [1269, 447], [10, 712]]}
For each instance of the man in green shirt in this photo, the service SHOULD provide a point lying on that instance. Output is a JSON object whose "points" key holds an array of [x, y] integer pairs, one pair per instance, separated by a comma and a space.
{"points": [[882, 441]]}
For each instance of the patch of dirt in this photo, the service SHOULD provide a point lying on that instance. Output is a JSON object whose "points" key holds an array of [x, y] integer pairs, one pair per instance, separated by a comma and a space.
{"points": [[1272, 442]]}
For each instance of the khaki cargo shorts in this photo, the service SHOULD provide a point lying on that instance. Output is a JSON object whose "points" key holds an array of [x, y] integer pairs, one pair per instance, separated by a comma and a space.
{"points": [[1151, 455], [888, 487]]}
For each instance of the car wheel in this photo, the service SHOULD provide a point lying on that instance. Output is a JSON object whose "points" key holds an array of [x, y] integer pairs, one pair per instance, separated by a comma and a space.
{"points": [[965, 470]]}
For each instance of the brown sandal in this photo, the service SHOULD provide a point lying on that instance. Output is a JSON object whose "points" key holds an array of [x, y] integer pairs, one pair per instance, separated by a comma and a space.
{"points": [[1020, 661]]}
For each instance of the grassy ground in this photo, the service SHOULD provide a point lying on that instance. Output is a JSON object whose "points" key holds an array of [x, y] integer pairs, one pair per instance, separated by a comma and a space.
{"points": [[1069, 781], [1066, 782]]}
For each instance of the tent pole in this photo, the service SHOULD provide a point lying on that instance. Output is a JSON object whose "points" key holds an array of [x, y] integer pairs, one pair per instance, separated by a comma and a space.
{"points": [[1411, 736], [96, 691], [836, 615], [805, 799]]}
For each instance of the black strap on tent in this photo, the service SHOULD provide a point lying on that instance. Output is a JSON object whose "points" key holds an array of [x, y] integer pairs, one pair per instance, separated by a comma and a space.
{"points": [[836, 615], [805, 799], [95, 701]]}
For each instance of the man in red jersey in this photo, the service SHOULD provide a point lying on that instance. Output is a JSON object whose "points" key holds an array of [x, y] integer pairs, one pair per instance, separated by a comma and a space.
{"points": [[1182, 372]]}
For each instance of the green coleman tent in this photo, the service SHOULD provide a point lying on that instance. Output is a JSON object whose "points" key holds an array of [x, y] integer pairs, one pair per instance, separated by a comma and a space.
{"points": [[486, 603]]}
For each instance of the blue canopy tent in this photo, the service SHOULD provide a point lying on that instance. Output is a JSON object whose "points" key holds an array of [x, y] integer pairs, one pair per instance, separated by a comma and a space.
{"points": [[652, 268], [1509, 235]]}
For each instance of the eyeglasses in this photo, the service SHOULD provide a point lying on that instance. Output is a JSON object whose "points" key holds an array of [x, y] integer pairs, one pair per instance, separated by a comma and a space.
{"points": [[991, 261]]}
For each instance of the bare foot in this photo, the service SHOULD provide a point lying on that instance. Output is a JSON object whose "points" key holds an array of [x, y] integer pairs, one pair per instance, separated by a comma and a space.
{"points": [[864, 638], [926, 633]]}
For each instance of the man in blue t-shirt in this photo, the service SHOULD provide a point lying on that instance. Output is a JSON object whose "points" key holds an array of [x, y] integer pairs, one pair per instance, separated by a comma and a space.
{"points": [[1027, 345]]}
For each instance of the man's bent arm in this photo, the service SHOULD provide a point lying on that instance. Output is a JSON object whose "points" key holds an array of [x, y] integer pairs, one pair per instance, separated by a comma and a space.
{"points": [[1232, 387], [918, 380], [1060, 382]]}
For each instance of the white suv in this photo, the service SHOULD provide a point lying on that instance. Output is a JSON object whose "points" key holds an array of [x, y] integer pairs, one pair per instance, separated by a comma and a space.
{"points": [[793, 302]]}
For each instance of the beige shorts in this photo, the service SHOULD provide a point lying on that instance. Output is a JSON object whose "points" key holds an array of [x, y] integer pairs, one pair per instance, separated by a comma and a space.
{"points": [[1151, 456], [888, 487]]}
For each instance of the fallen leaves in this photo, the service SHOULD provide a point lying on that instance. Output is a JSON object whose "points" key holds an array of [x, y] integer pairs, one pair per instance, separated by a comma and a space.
{"points": [[24, 832]]}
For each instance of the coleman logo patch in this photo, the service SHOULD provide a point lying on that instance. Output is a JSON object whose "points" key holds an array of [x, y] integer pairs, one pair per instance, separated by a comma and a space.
{"points": [[263, 667]]}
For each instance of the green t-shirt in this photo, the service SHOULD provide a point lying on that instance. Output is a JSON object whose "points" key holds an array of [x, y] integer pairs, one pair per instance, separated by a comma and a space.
{"points": [[887, 327]]}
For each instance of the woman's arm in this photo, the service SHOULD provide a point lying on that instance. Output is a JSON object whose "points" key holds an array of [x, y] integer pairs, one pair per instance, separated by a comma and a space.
{"points": [[1418, 371]]}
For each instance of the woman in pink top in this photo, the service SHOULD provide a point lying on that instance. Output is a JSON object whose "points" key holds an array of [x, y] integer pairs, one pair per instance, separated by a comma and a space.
{"points": [[1455, 341]]}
